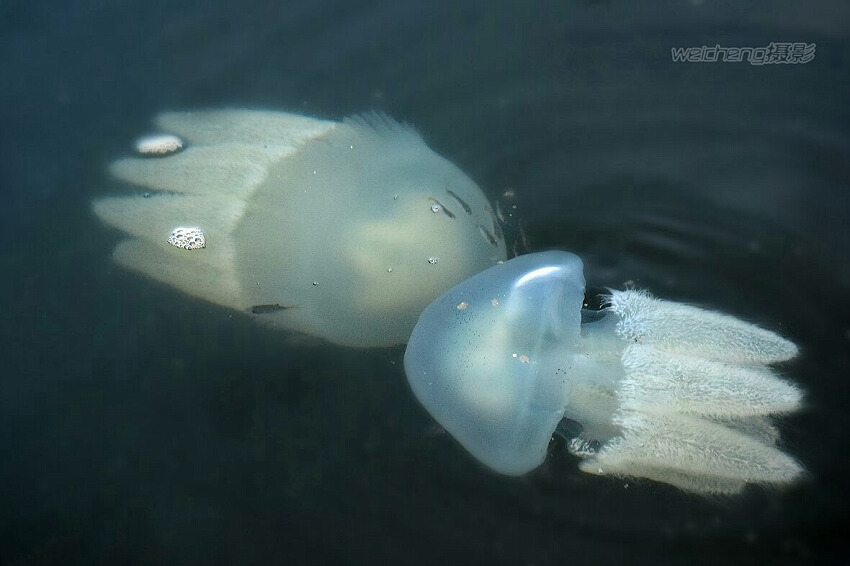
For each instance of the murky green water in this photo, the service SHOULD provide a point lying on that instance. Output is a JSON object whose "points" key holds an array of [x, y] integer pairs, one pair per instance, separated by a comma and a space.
{"points": [[139, 426]]}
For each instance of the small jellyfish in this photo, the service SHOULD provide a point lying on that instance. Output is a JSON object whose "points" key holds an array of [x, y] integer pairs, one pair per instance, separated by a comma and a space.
{"points": [[285, 199], [658, 389]]}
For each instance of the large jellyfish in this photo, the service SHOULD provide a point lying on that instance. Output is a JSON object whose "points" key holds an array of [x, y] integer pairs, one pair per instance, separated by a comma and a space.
{"points": [[343, 230], [662, 390]]}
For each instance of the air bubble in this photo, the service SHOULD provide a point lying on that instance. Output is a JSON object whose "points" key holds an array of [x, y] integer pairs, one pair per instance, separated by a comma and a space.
{"points": [[161, 144], [187, 238]]}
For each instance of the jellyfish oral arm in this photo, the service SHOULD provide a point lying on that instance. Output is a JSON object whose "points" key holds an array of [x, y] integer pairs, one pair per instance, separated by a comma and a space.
{"points": [[695, 399]]}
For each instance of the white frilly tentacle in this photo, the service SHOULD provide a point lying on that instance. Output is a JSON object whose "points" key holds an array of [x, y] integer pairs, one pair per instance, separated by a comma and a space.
{"points": [[695, 403]]}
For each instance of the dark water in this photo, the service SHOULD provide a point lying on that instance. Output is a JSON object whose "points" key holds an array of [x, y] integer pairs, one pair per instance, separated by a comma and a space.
{"points": [[141, 427]]}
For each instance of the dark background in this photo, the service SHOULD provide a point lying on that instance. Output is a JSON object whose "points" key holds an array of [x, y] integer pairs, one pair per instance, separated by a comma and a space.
{"points": [[138, 426]]}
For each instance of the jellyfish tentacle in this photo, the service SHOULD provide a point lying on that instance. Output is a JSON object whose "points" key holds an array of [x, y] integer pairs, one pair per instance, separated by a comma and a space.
{"points": [[660, 381], [695, 399], [683, 328], [238, 125], [691, 453], [232, 170]]}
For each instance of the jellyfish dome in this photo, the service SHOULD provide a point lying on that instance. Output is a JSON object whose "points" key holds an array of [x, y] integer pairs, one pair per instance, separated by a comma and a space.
{"points": [[661, 390], [343, 230]]}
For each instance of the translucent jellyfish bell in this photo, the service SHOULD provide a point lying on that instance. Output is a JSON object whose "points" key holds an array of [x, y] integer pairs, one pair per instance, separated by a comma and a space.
{"points": [[662, 390], [344, 230]]}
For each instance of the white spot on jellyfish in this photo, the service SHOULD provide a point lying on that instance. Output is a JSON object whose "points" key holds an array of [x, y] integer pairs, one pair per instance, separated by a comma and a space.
{"points": [[187, 238], [161, 144], [495, 302], [462, 305], [435, 208]]}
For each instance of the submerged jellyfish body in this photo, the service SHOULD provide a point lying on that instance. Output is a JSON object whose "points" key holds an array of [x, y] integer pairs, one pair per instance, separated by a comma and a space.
{"points": [[662, 390], [343, 230]]}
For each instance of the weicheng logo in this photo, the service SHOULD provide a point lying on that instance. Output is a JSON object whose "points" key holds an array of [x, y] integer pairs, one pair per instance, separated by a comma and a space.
{"points": [[774, 53]]}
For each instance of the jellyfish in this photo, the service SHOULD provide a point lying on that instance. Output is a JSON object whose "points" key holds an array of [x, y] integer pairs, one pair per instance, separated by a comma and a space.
{"points": [[647, 388], [342, 230]]}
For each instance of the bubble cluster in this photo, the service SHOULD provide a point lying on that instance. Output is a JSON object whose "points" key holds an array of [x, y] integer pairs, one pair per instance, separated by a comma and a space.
{"points": [[188, 238], [160, 144]]}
